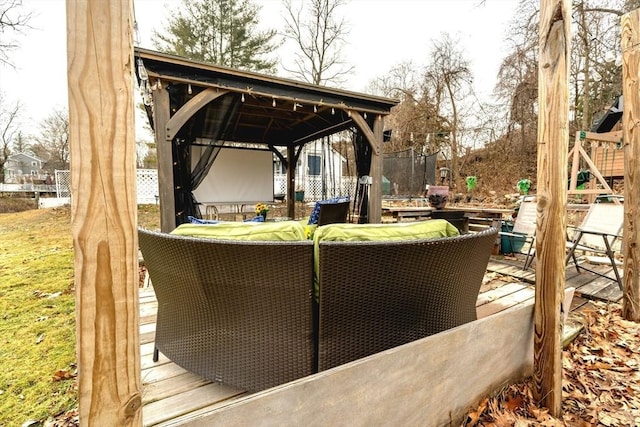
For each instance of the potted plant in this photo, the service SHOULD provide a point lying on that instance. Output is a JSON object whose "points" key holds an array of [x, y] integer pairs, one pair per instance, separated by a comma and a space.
{"points": [[523, 186], [472, 183], [261, 210]]}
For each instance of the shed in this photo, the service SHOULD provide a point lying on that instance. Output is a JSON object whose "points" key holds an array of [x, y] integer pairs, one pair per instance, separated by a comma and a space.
{"points": [[191, 104]]}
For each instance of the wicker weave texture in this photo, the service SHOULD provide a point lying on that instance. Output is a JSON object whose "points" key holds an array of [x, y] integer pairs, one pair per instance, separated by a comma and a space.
{"points": [[235, 312], [378, 295]]}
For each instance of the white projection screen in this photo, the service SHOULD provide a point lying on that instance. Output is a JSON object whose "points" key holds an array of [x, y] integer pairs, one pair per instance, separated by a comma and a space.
{"points": [[237, 176]]}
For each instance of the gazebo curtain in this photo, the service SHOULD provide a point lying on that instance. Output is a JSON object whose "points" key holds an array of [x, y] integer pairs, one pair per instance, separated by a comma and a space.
{"points": [[186, 178]]}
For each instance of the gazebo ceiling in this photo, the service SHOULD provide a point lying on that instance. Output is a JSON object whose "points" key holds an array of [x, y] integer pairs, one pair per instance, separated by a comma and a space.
{"points": [[271, 110]]}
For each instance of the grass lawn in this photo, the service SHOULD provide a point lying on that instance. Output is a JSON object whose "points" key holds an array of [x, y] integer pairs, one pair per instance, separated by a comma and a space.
{"points": [[37, 302]]}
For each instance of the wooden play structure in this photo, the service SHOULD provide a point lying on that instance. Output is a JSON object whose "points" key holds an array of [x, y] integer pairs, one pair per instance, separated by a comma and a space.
{"points": [[605, 160]]}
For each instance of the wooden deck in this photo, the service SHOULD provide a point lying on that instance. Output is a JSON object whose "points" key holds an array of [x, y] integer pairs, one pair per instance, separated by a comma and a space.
{"points": [[173, 396]]}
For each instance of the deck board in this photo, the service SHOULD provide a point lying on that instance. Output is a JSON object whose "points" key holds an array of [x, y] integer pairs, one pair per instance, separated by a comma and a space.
{"points": [[172, 396], [186, 402], [587, 285]]}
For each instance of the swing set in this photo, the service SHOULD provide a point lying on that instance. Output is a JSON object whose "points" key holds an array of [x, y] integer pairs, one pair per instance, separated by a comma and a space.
{"points": [[604, 145]]}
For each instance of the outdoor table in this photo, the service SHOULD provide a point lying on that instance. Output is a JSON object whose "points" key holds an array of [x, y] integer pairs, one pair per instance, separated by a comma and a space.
{"points": [[400, 212]]}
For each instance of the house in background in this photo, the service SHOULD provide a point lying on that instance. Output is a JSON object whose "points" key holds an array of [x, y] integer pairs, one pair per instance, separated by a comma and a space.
{"points": [[319, 174], [23, 168]]}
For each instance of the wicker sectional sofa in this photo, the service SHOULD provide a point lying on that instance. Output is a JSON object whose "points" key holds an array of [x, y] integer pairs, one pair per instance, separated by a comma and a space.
{"points": [[258, 313]]}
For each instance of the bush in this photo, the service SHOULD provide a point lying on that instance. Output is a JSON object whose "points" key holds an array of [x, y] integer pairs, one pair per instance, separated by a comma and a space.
{"points": [[15, 204]]}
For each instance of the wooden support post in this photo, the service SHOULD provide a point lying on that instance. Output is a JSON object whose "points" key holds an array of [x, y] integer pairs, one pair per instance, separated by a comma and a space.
{"points": [[631, 122], [575, 161], [104, 215], [375, 200], [553, 143], [291, 181], [164, 151]]}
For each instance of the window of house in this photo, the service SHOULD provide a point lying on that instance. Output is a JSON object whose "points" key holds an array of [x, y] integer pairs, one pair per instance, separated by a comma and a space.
{"points": [[314, 164]]}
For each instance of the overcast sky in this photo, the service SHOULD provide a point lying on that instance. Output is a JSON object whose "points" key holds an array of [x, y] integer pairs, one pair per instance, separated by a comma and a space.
{"points": [[383, 33]]}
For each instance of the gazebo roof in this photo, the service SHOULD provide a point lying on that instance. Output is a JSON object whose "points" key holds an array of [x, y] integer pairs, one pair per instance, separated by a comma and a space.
{"points": [[273, 110]]}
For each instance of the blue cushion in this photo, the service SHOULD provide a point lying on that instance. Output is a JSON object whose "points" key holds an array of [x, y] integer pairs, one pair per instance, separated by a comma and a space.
{"points": [[194, 220], [313, 218]]}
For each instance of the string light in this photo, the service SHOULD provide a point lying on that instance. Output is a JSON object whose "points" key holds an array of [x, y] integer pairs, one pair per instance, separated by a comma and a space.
{"points": [[315, 108], [274, 102], [189, 89], [349, 113], [365, 115], [333, 111], [142, 72], [294, 106], [242, 98]]}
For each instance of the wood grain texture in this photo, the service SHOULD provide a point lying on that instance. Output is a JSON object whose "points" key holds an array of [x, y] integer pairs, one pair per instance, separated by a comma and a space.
{"points": [[189, 109], [631, 121], [102, 145], [553, 136], [375, 195], [164, 152]]}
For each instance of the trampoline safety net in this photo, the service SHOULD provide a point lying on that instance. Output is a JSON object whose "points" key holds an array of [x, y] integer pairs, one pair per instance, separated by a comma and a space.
{"points": [[408, 173]]}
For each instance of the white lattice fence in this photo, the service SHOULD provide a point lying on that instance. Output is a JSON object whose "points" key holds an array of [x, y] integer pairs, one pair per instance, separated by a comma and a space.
{"points": [[147, 185], [313, 187], [63, 184]]}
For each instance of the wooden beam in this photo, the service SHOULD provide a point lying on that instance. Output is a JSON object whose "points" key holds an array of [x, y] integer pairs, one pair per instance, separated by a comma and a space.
{"points": [[614, 137], [164, 151], [190, 108], [291, 181], [375, 195], [630, 91], [362, 124], [575, 162], [553, 137], [578, 151], [104, 215]]}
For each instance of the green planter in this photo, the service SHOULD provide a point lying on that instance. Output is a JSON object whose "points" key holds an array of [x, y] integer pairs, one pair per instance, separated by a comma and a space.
{"points": [[510, 244], [299, 196]]}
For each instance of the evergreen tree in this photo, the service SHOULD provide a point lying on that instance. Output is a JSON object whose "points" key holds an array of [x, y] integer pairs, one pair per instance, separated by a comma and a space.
{"points": [[220, 32]]}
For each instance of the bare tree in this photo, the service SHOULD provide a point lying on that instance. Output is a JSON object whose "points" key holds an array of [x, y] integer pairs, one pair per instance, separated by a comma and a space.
{"points": [[319, 38], [448, 81], [415, 120], [53, 141], [9, 129], [13, 21]]}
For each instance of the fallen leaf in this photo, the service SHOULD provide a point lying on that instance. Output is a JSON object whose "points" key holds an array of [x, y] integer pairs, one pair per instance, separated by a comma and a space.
{"points": [[62, 375]]}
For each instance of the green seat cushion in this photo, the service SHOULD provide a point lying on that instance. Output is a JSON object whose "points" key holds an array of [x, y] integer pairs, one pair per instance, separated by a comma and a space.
{"points": [[431, 229], [271, 231]]}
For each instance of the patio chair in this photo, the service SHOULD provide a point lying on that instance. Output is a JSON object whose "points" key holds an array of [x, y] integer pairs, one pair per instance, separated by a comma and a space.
{"points": [[375, 295], [331, 213], [598, 233], [524, 230], [236, 312]]}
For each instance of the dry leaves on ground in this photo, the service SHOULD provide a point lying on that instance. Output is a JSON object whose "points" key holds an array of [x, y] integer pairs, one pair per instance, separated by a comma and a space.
{"points": [[600, 386]]}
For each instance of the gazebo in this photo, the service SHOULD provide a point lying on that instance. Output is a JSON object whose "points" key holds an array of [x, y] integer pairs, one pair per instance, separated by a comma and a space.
{"points": [[193, 104]]}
